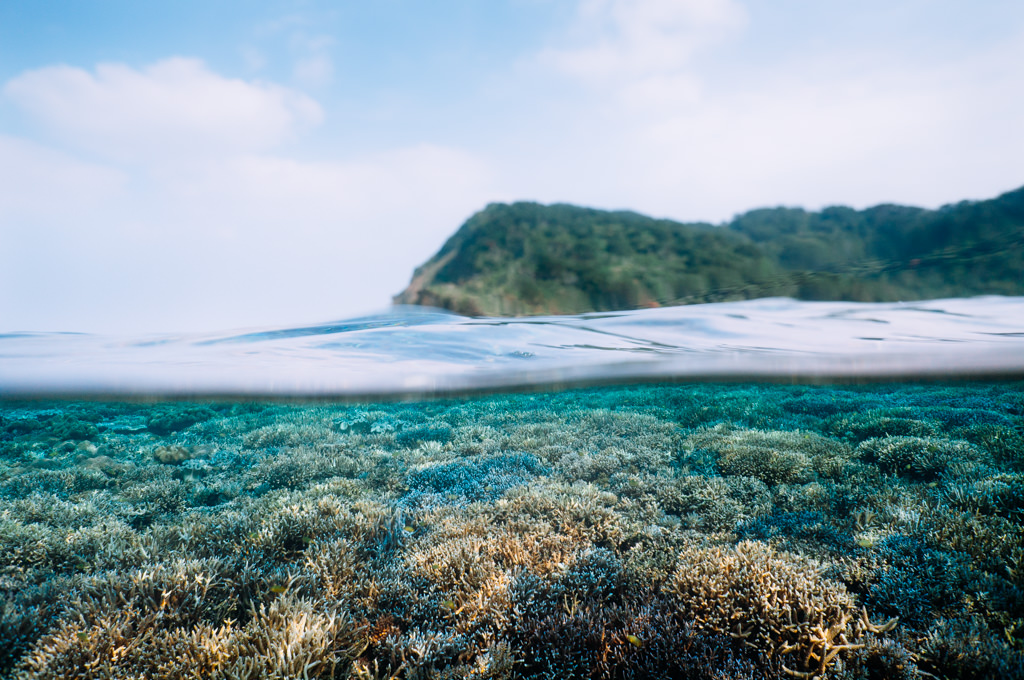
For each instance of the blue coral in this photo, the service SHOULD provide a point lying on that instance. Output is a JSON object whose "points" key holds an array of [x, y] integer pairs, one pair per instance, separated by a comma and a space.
{"points": [[463, 481]]}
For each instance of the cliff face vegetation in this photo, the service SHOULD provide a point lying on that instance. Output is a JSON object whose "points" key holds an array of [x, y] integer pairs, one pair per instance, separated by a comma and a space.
{"points": [[527, 258]]}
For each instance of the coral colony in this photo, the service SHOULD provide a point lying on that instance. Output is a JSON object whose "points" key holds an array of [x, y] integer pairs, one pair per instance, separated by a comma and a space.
{"points": [[667, 531]]}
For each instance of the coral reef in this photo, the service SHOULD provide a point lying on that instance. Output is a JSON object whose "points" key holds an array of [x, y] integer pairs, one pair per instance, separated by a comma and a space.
{"points": [[677, 531], [773, 457], [922, 458]]}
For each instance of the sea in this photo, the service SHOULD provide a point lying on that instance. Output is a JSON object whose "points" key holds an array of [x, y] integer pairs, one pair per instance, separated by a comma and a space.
{"points": [[768, 488]]}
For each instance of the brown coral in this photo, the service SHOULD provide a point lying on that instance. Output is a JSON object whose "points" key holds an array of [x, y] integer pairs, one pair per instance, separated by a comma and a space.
{"points": [[774, 602], [172, 455]]}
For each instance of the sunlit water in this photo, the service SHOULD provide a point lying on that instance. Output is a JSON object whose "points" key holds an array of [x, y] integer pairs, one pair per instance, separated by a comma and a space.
{"points": [[418, 351]]}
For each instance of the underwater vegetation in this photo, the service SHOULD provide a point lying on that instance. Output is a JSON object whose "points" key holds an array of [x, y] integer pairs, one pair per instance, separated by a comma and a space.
{"points": [[705, 531]]}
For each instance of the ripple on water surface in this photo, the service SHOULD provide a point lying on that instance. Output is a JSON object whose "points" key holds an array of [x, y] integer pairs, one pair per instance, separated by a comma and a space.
{"points": [[411, 350]]}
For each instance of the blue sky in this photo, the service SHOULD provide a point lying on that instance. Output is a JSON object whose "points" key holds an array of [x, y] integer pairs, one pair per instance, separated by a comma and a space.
{"points": [[208, 165]]}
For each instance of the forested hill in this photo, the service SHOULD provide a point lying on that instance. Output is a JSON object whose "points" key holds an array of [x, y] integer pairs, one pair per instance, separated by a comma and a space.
{"points": [[527, 258]]}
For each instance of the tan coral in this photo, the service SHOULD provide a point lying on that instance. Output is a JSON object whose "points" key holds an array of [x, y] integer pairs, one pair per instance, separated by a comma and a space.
{"points": [[772, 601]]}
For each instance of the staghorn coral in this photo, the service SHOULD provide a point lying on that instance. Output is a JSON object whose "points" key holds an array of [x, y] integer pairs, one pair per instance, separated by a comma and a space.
{"points": [[967, 648], [164, 420], [636, 641], [123, 622], [920, 458], [64, 482], [1004, 443], [542, 536], [481, 479], [771, 601], [286, 435], [881, 659], [991, 541], [916, 582], [290, 638], [299, 467], [26, 612], [772, 457], [993, 494], [417, 436], [715, 503], [793, 529], [858, 426], [824, 402]]}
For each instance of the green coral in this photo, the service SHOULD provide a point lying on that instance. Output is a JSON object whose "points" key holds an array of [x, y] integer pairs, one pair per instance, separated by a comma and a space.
{"points": [[922, 458], [772, 457]]}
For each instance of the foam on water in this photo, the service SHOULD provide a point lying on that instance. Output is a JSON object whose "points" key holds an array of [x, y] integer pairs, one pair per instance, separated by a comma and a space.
{"points": [[418, 351]]}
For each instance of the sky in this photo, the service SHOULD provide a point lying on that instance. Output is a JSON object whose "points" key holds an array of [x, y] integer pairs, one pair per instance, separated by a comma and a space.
{"points": [[203, 166]]}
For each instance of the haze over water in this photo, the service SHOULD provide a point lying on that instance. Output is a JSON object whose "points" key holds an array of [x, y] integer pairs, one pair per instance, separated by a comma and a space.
{"points": [[422, 351]]}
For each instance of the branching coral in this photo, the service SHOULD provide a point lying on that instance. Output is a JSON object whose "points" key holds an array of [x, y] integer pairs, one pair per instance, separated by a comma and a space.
{"points": [[171, 418], [772, 457], [858, 426], [481, 479], [968, 648], [290, 638], [771, 601], [588, 533], [715, 503], [920, 458]]}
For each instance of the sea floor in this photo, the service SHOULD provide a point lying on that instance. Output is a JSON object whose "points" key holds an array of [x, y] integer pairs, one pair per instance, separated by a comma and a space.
{"points": [[657, 531]]}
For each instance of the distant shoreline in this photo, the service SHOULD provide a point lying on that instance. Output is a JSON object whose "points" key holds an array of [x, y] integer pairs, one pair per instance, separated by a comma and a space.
{"points": [[528, 259]]}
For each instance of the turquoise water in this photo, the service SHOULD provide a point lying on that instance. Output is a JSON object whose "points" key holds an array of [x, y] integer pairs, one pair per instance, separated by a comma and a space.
{"points": [[795, 490]]}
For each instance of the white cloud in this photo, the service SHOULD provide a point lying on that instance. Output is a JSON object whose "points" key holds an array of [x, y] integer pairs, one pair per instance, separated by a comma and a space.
{"points": [[657, 130], [256, 239], [173, 108], [234, 236], [314, 66], [835, 132], [315, 70], [42, 184], [389, 201], [614, 40]]}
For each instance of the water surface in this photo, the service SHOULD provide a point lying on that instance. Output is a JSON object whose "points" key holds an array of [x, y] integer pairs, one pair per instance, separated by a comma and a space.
{"points": [[412, 351]]}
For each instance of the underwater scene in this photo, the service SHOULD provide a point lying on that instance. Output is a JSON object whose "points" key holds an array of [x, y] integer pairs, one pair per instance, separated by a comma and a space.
{"points": [[645, 518]]}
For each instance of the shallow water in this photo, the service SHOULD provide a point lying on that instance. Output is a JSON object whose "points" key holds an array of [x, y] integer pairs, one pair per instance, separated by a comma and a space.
{"points": [[413, 351], [677, 530]]}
